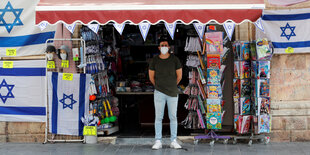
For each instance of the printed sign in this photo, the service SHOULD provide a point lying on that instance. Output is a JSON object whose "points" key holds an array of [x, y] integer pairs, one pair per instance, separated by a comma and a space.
{"points": [[7, 64], [90, 131], [10, 52], [289, 50], [50, 64], [67, 76], [65, 63]]}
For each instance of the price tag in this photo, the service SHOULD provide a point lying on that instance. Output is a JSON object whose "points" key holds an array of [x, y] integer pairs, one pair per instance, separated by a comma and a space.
{"points": [[67, 76], [289, 50], [65, 63], [50, 64], [7, 64], [90, 131], [10, 52]]}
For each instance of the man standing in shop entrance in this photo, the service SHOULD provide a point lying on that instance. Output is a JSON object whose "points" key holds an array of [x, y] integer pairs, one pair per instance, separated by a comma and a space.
{"points": [[165, 73]]}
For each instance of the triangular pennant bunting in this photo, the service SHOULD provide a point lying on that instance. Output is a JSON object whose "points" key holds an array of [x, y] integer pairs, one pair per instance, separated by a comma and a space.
{"points": [[43, 25], [200, 28], [144, 29], [119, 27], [259, 24], [229, 28], [171, 28], [70, 27], [93, 27]]}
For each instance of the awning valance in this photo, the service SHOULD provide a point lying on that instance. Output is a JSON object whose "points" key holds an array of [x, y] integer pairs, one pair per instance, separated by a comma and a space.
{"points": [[136, 11]]}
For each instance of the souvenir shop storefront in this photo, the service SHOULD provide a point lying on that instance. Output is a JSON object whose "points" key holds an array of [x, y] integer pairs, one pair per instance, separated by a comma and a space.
{"points": [[120, 40], [225, 83]]}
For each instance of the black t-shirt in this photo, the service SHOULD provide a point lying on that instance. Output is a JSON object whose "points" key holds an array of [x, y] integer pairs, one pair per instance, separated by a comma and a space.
{"points": [[165, 74]]}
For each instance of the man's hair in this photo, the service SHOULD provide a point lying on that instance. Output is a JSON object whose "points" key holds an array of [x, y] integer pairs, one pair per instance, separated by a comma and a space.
{"points": [[164, 38]]}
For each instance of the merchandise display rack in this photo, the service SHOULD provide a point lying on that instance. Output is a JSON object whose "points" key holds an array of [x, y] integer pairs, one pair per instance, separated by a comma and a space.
{"points": [[98, 58], [251, 90], [53, 138], [210, 85]]}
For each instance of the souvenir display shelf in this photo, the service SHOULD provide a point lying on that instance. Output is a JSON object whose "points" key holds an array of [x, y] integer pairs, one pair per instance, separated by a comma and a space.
{"points": [[205, 87], [251, 90], [100, 56], [212, 68], [78, 44]]}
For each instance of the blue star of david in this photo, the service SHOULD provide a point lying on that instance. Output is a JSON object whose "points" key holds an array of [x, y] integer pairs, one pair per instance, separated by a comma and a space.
{"points": [[16, 12], [63, 101], [287, 26], [9, 94]]}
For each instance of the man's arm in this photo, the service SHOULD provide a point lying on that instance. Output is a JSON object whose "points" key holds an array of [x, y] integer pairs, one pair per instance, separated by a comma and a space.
{"points": [[179, 75], [152, 76]]}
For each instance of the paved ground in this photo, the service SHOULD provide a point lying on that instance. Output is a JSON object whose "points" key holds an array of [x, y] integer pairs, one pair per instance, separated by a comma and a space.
{"points": [[110, 149]]}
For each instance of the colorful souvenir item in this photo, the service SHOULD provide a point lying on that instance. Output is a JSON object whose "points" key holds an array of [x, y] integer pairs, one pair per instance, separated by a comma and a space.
{"points": [[245, 50], [236, 69], [213, 105], [263, 49], [214, 42], [263, 69], [245, 103], [245, 69], [213, 61], [214, 121], [264, 123], [214, 91], [213, 76]]}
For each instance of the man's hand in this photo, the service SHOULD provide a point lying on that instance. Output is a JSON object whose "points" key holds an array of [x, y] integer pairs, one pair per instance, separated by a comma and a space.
{"points": [[152, 76], [179, 75]]}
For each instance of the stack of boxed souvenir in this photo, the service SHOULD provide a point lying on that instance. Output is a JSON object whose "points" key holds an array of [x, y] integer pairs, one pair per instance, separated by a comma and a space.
{"points": [[242, 86], [260, 82], [214, 71]]}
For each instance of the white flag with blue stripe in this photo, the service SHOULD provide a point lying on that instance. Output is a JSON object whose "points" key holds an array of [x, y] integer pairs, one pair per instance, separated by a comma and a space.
{"points": [[22, 90], [68, 102], [18, 30], [288, 28]]}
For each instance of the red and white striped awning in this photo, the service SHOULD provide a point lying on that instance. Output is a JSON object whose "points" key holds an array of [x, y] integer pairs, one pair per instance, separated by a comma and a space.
{"points": [[153, 11]]}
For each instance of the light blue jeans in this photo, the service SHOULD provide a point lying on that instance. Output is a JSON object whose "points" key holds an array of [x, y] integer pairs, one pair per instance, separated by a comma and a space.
{"points": [[160, 100]]}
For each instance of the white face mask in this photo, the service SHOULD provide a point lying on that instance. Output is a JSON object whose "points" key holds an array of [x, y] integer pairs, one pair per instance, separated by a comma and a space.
{"points": [[49, 56], [164, 50], [63, 56]]}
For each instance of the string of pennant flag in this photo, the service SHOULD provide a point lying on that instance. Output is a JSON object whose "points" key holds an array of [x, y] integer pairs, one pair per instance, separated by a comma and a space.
{"points": [[145, 26]]}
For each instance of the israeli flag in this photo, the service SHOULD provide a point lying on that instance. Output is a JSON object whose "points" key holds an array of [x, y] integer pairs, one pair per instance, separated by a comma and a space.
{"points": [[119, 27], [200, 28], [94, 27], [229, 28], [144, 29], [171, 28], [288, 29], [18, 31], [68, 102], [22, 90], [70, 27]]}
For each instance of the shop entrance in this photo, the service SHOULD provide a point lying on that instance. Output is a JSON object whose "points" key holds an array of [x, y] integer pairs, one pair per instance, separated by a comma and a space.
{"points": [[137, 112]]}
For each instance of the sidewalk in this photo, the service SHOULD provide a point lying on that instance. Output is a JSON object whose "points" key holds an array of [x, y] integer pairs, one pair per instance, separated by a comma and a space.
{"points": [[110, 149]]}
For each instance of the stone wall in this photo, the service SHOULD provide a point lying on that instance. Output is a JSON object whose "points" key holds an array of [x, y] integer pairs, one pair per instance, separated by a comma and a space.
{"points": [[21, 132], [290, 92]]}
